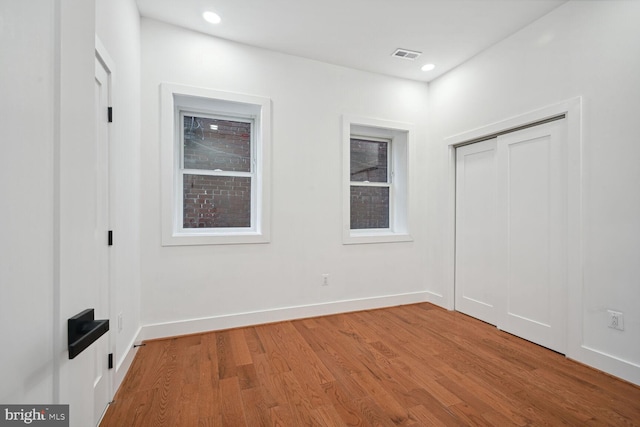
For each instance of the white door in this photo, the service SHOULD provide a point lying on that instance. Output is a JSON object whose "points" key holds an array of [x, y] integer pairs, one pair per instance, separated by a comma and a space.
{"points": [[532, 239], [511, 233], [476, 198], [101, 348]]}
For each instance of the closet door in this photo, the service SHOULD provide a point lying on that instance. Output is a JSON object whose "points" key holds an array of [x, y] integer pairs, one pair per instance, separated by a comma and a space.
{"points": [[476, 229], [532, 237]]}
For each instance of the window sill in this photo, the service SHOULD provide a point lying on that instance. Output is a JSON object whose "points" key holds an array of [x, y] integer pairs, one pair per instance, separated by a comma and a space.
{"points": [[365, 237], [236, 238]]}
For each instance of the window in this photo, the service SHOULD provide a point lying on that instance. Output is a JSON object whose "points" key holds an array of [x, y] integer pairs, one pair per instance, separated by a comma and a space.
{"points": [[217, 172], [215, 149], [376, 164], [370, 190]]}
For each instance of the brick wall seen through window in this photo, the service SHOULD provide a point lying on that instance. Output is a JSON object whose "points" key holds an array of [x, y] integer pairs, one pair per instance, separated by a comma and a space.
{"points": [[370, 183], [215, 152]]}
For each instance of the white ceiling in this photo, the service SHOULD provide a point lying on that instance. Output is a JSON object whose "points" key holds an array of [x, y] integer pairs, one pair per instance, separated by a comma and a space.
{"points": [[361, 34]]}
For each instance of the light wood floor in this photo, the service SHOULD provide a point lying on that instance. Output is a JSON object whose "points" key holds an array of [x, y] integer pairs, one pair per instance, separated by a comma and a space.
{"points": [[415, 365]]}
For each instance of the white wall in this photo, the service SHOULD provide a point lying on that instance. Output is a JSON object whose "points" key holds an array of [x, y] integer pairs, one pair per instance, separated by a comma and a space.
{"points": [[27, 189], [588, 49], [118, 28], [215, 283]]}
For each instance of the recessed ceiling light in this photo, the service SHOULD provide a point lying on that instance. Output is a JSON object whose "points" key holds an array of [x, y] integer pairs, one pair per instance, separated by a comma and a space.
{"points": [[211, 17], [428, 67]]}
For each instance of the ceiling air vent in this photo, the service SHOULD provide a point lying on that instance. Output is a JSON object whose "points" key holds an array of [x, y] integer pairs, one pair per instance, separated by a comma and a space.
{"points": [[406, 54]]}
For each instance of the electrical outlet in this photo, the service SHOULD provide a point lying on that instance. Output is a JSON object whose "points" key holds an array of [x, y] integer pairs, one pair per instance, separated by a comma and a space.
{"points": [[616, 320], [325, 280]]}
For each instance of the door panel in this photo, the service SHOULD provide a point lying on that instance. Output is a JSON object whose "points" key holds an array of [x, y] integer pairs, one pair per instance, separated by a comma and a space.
{"points": [[101, 348], [532, 243], [476, 189], [528, 229]]}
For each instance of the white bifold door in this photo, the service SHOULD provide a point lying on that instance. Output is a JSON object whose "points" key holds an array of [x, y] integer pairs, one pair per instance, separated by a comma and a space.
{"points": [[511, 232]]}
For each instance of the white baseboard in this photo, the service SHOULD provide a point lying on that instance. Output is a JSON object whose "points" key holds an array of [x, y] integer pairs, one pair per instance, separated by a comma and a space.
{"points": [[123, 365], [437, 299], [227, 321], [608, 363]]}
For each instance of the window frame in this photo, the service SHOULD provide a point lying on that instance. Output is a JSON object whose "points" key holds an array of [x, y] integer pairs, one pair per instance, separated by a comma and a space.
{"points": [[399, 159], [176, 100]]}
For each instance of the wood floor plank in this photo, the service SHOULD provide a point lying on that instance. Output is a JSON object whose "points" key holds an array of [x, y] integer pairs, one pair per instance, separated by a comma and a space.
{"points": [[340, 399], [208, 385], [499, 402], [541, 406], [165, 396], [312, 389], [253, 341], [470, 416], [333, 355], [187, 409], [231, 405], [157, 357], [240, 348], [437, 411], [271, 395], [189, 364], [135, 410], [299, 401], [415, 365], [256, 410], [364, 328], [312, 365], [385, 400], [344, 383], [214, 421], [271, 339], [247, 376], [424, 417], [371, 413], [349, 412], [281, 416], [388, 379], [329, 416], [427, 381], [226, 360]]}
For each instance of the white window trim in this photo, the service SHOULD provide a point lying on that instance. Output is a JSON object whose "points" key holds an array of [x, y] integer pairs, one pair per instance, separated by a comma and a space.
{"points": [[177, 98], [400, 135]]}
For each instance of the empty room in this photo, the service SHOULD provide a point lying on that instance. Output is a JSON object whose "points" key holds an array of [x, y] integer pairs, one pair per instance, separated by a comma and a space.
{"points": [[336, 213]]}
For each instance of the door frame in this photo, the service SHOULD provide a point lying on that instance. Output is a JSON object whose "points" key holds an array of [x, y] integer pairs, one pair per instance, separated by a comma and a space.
{"points": [[572, 109], [102, 55]]}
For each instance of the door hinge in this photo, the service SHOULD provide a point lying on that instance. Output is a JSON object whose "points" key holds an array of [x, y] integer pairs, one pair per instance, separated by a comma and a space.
{"points": [[110, 238], [110, 360], [110, 114]]}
